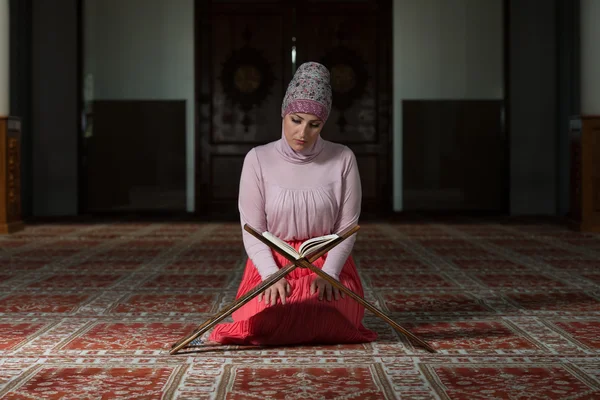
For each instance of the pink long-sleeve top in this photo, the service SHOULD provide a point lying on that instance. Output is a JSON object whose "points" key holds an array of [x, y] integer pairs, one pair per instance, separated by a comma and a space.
{"points": [[299, 196]]}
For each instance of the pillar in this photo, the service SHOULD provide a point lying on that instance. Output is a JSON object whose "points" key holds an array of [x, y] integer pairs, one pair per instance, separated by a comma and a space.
{"points": [[10, 138]]}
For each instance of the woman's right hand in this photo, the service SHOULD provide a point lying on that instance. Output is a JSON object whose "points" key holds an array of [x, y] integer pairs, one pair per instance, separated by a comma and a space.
{"points": [[280, 288]]}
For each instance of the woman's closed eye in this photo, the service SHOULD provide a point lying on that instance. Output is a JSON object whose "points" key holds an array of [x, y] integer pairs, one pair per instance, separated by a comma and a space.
{"points": [[314, 126]]}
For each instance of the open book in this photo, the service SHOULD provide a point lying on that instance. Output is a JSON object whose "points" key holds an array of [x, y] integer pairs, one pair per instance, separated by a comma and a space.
{"points": [[308, 247]]}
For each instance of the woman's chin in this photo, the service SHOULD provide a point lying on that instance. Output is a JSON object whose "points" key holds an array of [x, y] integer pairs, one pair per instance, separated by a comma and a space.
{"points": [[299, 147]]}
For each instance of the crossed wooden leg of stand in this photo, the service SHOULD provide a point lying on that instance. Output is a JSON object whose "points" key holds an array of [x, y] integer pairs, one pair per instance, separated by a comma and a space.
{"points": [[305, 262]]}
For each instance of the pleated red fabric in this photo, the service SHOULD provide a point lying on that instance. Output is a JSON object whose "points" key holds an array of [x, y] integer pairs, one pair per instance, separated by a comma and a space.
{"points": [[303, 319]]}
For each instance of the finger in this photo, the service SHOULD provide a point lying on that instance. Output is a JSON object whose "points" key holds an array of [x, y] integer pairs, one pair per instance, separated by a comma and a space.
{"points": [[313, 287], [328, 289], [321, 290], [273, 296], [288, 288], [336, 293], [268, 297], [282, 295], [342, 294], [260, 295]]}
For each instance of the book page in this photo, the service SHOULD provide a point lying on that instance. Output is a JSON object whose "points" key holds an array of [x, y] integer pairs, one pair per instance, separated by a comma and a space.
{"points": [[315, 244], [283, 245]]}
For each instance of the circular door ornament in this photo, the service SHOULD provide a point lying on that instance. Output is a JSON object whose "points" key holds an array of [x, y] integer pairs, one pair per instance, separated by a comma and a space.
{"points": [[343, 78], [349, 78], [247, 80]]}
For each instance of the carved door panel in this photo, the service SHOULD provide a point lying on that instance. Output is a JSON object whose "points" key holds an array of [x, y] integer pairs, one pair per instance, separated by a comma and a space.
{"points": [[353, 39], [243, 64]]}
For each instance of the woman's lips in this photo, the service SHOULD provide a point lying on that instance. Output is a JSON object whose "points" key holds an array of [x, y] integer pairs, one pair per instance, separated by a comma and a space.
{"points": [[300, 141]]}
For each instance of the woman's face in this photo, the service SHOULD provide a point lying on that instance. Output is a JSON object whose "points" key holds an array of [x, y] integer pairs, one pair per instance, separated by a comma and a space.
{"points": [[301, 130]]}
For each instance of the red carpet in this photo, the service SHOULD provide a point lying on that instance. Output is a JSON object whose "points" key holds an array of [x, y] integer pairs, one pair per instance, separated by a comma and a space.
{"points": [[89, 312]]}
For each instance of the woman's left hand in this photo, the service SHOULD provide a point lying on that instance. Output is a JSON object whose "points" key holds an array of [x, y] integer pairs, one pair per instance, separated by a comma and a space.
{"points": [[321, 286]]}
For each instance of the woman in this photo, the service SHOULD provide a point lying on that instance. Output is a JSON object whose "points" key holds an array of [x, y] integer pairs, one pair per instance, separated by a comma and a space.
{"points": [[299, 187]]}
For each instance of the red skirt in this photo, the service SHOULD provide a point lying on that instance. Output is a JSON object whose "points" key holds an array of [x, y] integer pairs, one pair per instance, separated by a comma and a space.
{"points": [[303, 319]]}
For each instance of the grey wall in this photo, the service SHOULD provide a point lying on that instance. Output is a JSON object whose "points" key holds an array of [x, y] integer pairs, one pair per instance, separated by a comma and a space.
{"points": [[54, 107], [589, 35], [533, 107]]}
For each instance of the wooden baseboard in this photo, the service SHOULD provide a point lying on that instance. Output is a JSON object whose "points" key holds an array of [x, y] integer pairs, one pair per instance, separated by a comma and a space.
{"points": [[583, 226], [13, 227]]}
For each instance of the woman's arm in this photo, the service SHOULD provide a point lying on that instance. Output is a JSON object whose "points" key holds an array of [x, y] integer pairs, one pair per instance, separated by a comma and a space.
{"points": [[251, 203], [348, 216]]}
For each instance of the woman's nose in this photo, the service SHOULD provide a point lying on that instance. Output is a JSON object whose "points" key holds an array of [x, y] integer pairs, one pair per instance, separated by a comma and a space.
{"points": [[304, 131]]}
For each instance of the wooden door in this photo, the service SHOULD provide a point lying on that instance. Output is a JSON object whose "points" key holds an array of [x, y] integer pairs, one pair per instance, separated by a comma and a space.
{"points": [[354, 41], [244, 64]]}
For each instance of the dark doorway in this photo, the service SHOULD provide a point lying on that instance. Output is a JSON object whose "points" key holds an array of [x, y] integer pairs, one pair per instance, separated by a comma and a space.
{"points": [[246, 53], [135, 156], [454, 155]]}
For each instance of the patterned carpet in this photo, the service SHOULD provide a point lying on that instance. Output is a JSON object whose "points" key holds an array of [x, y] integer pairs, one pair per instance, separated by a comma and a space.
{"points": [[89, 312]]}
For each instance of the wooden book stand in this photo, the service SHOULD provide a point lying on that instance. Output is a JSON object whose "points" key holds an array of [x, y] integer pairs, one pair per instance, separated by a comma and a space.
{"points": [[304, 262]]}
